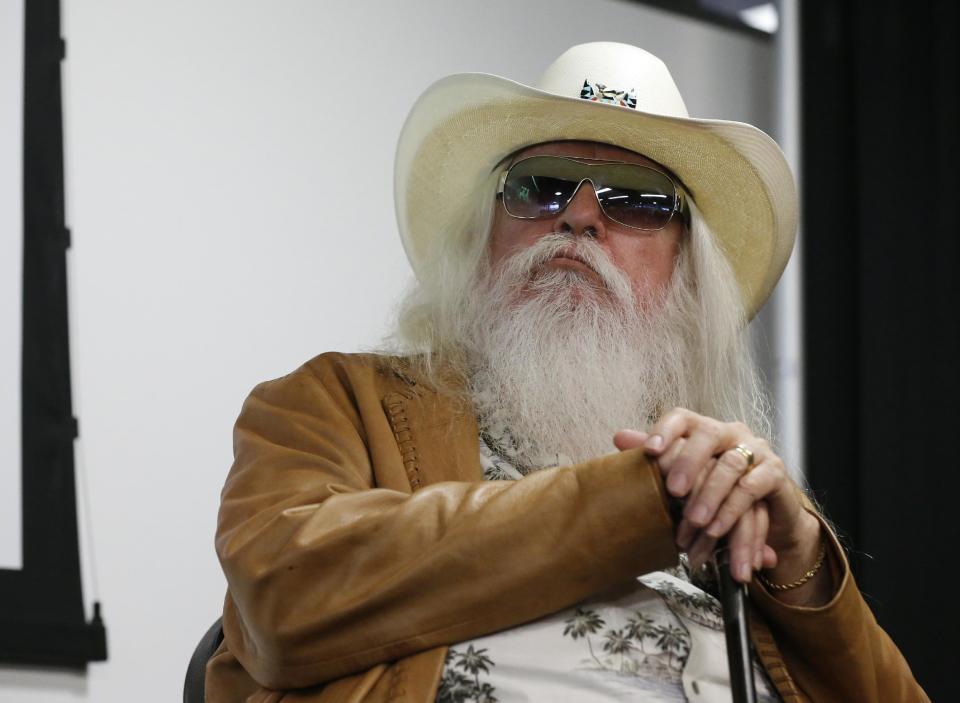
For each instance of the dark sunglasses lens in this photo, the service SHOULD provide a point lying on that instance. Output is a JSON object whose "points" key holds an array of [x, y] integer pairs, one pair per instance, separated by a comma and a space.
{"points": [[636, 196], [528, 195], [636, 208]]}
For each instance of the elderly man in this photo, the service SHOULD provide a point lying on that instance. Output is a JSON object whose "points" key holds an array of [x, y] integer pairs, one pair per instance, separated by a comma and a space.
{"points": [[452, 522]]}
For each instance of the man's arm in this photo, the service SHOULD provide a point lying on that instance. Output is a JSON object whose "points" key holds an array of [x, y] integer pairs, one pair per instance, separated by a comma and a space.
{"points": [[329, 575], [835, 650]]}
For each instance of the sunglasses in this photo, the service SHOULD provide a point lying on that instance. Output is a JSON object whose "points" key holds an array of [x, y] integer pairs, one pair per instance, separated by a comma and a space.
{"points": [[633, 195]]}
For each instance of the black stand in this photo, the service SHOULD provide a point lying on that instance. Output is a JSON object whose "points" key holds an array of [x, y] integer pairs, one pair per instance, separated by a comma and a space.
{"points": [[42, 616]]}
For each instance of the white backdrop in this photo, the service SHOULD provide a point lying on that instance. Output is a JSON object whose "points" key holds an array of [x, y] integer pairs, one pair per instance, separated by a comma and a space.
{"points": [[11, 253], [229, 194]]}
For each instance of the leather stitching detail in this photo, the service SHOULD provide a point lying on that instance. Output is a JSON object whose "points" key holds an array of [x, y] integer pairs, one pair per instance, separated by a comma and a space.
{"points": [[398, 689], [772, 660], [396, 406]]}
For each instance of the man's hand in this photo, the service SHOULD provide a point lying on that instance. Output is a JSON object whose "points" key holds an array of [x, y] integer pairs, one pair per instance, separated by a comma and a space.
{"points": [[759, 511]]}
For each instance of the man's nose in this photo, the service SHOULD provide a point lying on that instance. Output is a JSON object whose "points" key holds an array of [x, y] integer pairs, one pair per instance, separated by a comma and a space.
{"points": [[583, 215]]}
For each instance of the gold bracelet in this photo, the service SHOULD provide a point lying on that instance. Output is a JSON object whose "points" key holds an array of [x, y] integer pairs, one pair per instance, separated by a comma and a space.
{"points": [[800, 581]]}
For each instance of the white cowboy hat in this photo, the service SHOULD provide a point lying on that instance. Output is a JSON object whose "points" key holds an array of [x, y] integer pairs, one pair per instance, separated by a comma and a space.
{"points": [[467, 123]]}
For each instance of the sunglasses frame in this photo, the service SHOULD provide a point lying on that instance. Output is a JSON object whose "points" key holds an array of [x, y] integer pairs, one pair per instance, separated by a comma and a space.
{"points": [[680, 195]]}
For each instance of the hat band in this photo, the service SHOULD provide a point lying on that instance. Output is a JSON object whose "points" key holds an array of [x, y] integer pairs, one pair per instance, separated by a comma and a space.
{"points": [[599, 93]]}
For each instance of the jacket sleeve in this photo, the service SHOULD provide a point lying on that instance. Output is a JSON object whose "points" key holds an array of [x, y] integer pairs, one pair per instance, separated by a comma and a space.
{"points": [[838, 652], [330, 575]]}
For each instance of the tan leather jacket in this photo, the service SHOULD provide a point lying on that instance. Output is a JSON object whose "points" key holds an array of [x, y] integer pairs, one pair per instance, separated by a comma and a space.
{"points": [[358, 540]]}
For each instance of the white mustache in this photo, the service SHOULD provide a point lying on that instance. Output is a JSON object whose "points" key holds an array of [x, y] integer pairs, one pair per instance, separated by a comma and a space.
{"points": [[521, 268]]}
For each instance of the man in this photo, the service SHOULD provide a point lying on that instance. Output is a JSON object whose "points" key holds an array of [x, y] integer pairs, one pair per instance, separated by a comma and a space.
{"points": [[451, 523]]}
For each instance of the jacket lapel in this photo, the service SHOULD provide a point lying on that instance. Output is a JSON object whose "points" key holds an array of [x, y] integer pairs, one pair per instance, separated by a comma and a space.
{"points": [[436, 433]]}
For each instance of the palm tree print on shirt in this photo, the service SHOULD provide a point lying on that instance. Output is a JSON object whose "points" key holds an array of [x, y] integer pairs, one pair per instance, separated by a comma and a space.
{"points": [[456, 684], [702, 608], [639, 627], [495, 468], [673, 640], [665, 661], [617, 642], [585, 622]]}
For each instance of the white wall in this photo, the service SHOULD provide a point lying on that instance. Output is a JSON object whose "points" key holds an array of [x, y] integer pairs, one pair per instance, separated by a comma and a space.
{"points": [[229, 192], [11, 258], [786, 305]]}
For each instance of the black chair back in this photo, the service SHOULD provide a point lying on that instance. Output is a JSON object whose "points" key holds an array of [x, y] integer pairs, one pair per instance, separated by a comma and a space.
{"points": [[193, 685]]}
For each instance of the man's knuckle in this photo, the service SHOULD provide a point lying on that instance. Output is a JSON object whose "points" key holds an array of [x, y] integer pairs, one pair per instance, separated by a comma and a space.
{"points": [[750, 484], [669, 421], [732, 462], [713, 430], [740, 427], [748, 491]]}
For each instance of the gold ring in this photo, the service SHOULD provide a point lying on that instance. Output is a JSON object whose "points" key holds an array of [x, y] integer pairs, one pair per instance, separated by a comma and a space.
{"points": [[745, 452]]}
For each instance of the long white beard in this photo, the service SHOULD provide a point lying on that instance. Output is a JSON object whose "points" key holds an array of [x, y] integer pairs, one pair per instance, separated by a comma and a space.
{"points": [[560, 362]]}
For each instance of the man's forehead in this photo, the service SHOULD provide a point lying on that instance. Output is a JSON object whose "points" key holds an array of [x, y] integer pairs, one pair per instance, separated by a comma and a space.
{"points": [[583, 149]]}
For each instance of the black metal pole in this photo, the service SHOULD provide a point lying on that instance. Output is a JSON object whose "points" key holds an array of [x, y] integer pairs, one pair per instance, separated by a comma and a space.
{"points": [[734, 604]]}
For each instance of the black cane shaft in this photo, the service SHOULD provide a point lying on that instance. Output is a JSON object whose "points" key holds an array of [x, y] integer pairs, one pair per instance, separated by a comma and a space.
{"points": [[734, 605]]}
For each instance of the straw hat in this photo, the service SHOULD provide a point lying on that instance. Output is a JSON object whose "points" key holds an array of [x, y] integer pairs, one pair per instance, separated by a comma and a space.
{"points": [[465, 124]]}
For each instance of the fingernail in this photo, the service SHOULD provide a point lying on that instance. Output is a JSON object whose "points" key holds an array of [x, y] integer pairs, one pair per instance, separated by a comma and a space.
{"points": [[677, 484], [655, 442], [715, 529], [758, 560], [744, 571]]}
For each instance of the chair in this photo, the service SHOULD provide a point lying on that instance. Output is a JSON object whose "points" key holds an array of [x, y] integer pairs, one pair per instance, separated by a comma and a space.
{"points": [[193, 685]]}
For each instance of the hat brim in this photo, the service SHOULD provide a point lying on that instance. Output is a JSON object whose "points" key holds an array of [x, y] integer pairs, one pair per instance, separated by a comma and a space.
{"points": [[465, 124]]}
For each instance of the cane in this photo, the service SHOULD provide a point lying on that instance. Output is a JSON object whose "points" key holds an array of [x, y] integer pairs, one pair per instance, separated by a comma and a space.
{"points": [[734, 605]]}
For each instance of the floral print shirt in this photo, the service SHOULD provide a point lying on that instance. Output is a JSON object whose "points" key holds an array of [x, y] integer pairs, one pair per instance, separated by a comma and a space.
{"points": [[658, 639]]}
